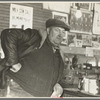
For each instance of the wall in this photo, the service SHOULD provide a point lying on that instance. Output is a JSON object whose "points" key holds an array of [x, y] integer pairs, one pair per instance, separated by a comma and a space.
{"points": [[40, 15]]}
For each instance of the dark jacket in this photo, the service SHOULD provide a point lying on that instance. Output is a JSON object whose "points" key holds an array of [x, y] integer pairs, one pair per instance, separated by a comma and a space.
{"points": [[16, 42], [41, 68]]}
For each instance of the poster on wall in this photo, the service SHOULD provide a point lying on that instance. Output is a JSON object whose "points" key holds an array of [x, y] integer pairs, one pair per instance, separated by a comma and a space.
{"points": [[83, 6], [83, 24], [21, 16], [96, 21]]}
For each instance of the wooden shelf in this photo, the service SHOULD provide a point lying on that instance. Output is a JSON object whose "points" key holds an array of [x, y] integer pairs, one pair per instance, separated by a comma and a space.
{"points": [[73, 50], [78, 50]]}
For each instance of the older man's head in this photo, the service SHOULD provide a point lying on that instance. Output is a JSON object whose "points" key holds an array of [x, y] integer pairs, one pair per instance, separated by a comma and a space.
{"points": [[56, 30]]}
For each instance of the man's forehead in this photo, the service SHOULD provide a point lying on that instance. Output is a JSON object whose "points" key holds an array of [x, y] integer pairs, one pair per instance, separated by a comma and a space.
{"points": [[57, 23], [60, 28]]}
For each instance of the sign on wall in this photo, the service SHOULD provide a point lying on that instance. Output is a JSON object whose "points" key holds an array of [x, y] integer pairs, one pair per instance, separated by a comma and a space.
{"points": [[21, 16]]}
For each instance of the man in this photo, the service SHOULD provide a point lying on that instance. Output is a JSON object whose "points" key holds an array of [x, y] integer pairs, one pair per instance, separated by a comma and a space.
{"points": [[35, 71]]}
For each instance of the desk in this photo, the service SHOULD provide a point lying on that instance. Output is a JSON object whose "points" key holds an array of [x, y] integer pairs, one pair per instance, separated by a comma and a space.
{"points": [[71, 92]]}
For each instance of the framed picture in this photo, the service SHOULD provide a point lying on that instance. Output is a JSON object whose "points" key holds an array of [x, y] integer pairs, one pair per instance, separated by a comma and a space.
{"points": [[87, 40], [64, 18], [78, 43], [72, 40], [60, 16], [95, 42], [83, 6], [98, 39], [79, 36], [82, 24], [65, 40], [79, 40]]}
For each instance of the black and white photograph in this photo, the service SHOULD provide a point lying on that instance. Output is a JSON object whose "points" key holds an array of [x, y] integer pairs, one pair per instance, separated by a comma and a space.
{"points": [[46, 49], [87, 40], [95, 42], [79, 41], [71, 40]]}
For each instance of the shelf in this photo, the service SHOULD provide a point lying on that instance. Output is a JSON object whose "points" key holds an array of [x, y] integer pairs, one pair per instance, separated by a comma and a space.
{"points": [[78, 50], [73, 50]]}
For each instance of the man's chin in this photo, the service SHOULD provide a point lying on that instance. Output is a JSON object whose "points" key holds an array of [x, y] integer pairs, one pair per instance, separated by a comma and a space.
{"points": [[57, 44]]}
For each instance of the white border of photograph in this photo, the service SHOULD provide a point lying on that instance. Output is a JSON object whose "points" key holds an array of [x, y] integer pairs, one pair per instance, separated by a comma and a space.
{"points": [[62, 15], [89, 8]]}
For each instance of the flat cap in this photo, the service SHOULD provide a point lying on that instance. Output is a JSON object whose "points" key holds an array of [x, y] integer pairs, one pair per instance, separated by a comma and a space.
{"points": [[57, 23]]}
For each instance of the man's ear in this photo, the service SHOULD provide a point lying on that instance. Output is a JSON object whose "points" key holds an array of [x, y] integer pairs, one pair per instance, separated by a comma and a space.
{"points": [[43, 35]]}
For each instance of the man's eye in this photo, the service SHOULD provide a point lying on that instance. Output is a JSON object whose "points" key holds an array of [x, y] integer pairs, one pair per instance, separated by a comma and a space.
{"points": [[63, 32], [57, 29]]}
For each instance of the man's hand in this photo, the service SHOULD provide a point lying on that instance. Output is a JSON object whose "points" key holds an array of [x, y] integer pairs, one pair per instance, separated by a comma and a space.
{"points": [[43, 35], [15, 68], [58, 90]]}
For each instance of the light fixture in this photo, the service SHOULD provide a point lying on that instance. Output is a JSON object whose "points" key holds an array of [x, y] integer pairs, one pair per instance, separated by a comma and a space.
{"points": [[78, 12]]}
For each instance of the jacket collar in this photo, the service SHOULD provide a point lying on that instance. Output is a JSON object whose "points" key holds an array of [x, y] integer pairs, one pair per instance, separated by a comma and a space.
{"points": [[51, 45]]}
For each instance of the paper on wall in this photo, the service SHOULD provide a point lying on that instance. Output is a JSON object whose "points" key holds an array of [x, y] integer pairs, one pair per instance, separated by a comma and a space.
{"points": [[21, 16]]}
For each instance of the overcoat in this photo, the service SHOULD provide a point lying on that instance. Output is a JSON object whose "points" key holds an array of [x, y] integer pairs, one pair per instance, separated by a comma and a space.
{"points": [[41, 68]]}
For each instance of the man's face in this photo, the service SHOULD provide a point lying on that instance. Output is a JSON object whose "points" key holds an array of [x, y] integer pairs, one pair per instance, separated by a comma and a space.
{"points": [[55, 35]]}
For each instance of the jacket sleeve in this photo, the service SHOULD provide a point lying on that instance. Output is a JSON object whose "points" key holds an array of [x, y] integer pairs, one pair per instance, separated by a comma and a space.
{"points": [[9, 43]]}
